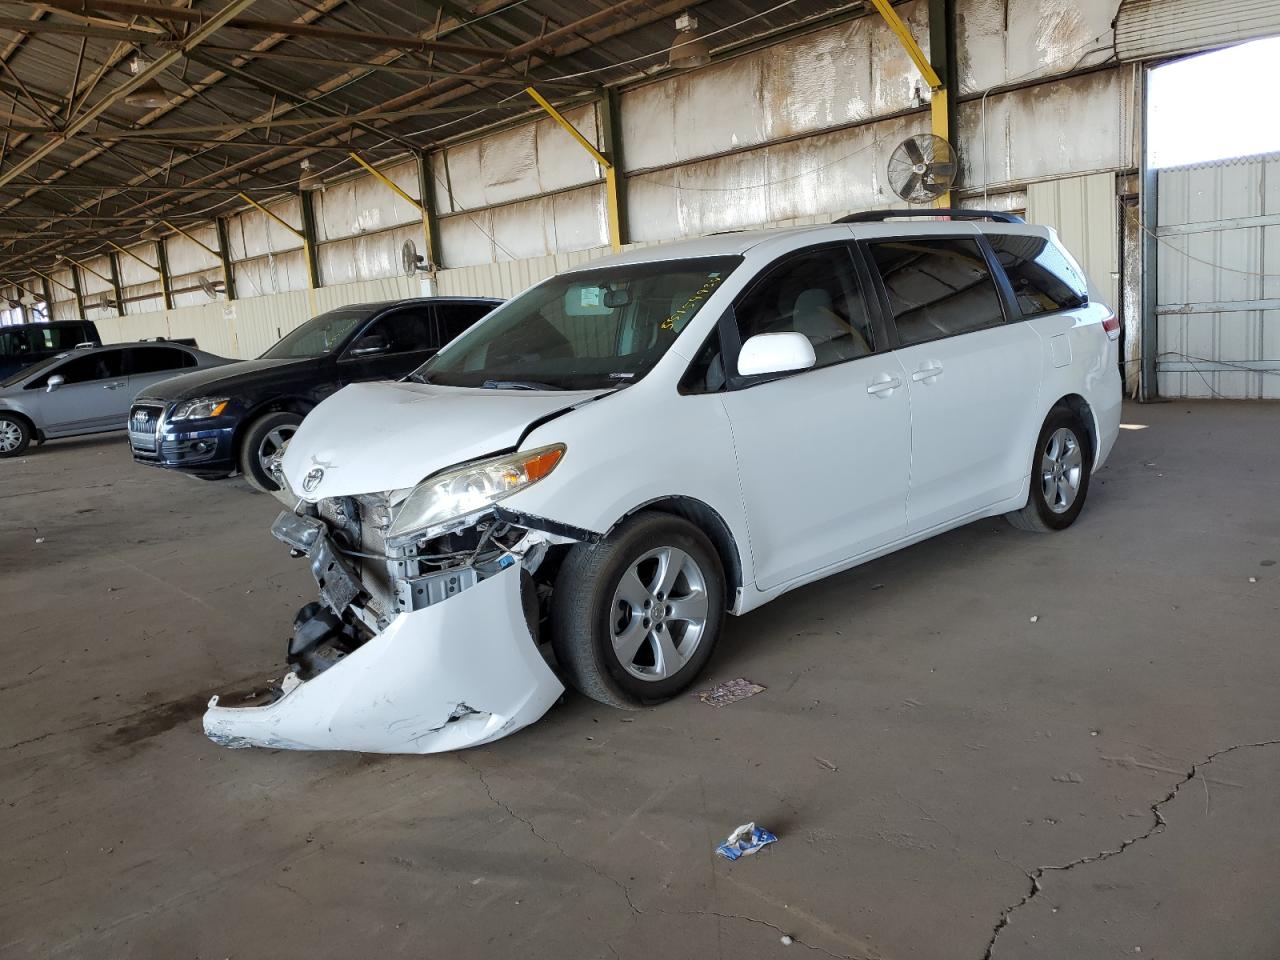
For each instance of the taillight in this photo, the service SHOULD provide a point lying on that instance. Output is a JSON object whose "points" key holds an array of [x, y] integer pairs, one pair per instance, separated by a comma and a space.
{"points": [[1111, 324]]}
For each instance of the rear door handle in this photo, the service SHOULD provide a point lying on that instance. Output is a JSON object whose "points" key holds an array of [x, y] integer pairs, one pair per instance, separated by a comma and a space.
{"points": [[113, 386], [883, 385], [927, 373]]}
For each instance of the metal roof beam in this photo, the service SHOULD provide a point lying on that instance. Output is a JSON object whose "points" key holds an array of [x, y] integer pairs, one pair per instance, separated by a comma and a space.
{"points": [[193, 40], [396, 68], [124, 34], [276, 89], [286, 27]]}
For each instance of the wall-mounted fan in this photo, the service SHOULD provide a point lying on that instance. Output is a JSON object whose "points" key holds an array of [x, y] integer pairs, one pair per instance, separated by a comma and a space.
{"points": [[211, 288], [922, 168], [412, 261]]}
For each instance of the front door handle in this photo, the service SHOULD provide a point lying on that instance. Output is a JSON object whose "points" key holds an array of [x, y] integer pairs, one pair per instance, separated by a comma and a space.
{"points": [[928, 373], [113, 386], [883, 385]]}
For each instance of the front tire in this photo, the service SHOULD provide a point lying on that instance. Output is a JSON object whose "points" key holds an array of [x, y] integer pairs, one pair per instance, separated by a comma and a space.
{"points": [[635, 618], [1060, 470], [263, 438], [15, 435]]}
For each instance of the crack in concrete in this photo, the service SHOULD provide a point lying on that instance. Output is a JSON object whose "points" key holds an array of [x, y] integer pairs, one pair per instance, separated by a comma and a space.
{"points": [[1035, 876], [626, 893]]}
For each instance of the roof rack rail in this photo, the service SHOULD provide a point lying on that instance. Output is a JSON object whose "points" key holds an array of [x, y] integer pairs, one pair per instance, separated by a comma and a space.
{"points": [[953, 213]]}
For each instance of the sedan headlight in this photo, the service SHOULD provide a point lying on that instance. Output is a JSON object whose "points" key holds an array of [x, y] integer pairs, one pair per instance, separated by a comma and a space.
{"points": [[473, 487], [201, 409]]}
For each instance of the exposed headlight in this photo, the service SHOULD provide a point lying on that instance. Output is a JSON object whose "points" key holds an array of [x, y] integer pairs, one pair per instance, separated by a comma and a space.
{"points": [[475, 486], [201, 409]]}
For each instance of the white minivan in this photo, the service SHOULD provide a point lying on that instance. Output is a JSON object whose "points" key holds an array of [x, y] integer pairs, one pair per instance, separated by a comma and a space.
{"points": [[579, 487]]}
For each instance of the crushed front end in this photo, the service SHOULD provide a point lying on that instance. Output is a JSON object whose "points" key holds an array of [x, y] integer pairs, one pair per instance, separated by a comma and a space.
{"points": [[417, 644]]}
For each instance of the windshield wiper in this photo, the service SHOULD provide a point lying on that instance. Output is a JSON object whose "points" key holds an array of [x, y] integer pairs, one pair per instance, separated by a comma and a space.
{"points": [[517, 385]]}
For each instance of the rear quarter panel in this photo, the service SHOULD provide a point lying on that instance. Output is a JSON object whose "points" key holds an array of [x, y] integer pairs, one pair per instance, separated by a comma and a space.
{"points": [[1079, 358]]}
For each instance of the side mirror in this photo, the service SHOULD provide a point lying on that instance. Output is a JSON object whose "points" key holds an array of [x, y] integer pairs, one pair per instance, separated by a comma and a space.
{"points": [[775, 353], [54, 382], [370, 345]]}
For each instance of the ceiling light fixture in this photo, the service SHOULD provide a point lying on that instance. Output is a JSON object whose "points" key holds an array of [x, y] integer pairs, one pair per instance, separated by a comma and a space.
{"points": [[310, 178], [689, 49], [149, 93]]}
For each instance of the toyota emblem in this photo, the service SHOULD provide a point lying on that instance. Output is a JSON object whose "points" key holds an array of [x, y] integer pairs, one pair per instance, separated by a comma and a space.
{"points": [[312, 479]]}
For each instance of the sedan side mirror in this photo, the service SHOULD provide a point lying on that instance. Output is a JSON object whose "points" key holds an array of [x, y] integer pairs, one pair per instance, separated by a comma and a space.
{"points": [[775, 353], [54, 382], [370, 345]]}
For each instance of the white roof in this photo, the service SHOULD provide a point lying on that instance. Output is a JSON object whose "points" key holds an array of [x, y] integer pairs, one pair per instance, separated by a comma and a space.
{"points": [[738, 242]]}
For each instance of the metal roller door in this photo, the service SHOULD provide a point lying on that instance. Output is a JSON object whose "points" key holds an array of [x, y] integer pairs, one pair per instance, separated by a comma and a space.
{"points": [[1218, 279], [1147, 29]]}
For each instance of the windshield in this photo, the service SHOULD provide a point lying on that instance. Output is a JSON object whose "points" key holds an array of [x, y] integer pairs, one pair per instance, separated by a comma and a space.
{"points": [[318, 336], [32, 370], [580, 331]]}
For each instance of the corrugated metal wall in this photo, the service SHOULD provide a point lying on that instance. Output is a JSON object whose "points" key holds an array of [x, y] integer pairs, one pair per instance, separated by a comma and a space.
{"points": [[1218, 282], [1085, 212]]}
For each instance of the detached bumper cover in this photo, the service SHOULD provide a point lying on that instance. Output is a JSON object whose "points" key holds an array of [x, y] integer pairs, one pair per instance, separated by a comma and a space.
{"points": [[456, 674]]}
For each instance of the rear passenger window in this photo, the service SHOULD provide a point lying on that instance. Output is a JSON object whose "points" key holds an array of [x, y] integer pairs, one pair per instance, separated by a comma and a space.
{"points": [[1043, 278], [937, 287], [813, 293], [158, 359], [407, 331]]}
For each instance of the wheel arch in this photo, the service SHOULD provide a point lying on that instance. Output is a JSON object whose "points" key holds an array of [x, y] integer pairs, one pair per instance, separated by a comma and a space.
{"points": [[1080, 407], [710, 522], [36, 432], [287, 404]]}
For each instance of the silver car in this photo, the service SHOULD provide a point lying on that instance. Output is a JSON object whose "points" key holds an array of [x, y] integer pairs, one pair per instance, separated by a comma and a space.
{"points": [[87, 390]]}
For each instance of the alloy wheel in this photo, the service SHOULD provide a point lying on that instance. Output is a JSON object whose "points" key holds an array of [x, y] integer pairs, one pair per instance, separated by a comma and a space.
{"points": [[1061, 470], [659, 613], [10, 436], [271, 444]]}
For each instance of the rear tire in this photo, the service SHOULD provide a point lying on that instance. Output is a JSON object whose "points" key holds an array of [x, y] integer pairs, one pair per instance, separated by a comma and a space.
{"points": [[264, 436], [15, 435], [635, 618], [1060, 469]]}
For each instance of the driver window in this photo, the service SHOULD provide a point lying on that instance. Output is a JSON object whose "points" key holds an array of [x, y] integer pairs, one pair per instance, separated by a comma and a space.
{"points": [[813, 293], [106, 365]]}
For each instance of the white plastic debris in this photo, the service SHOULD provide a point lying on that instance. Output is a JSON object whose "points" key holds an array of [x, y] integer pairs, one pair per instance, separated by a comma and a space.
{"points": [[786, 940], [1035, 619], [41, 540], [744, 841]]}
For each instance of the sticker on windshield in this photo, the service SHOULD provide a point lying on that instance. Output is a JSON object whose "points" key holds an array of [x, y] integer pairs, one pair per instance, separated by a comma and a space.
{"points": [[689, 306], [590, 297]]}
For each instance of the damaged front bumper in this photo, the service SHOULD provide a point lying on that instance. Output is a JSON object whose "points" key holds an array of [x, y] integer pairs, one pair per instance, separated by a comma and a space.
{"points": [[455, 674]]}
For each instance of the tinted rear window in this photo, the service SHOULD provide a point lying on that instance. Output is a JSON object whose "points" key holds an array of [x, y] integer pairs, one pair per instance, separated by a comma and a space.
{"points": [[936, 287], [1043, 278]]}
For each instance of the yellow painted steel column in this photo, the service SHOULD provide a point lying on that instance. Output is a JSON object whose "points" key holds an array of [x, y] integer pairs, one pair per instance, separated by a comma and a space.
{"points": [[612, 200], [420, 205], [306, 246], [205, 247], [70, 290], [939, 102]]}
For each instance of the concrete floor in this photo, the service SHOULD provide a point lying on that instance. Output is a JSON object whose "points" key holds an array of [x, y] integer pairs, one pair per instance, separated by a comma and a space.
{"points": [[1100, 783]]}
